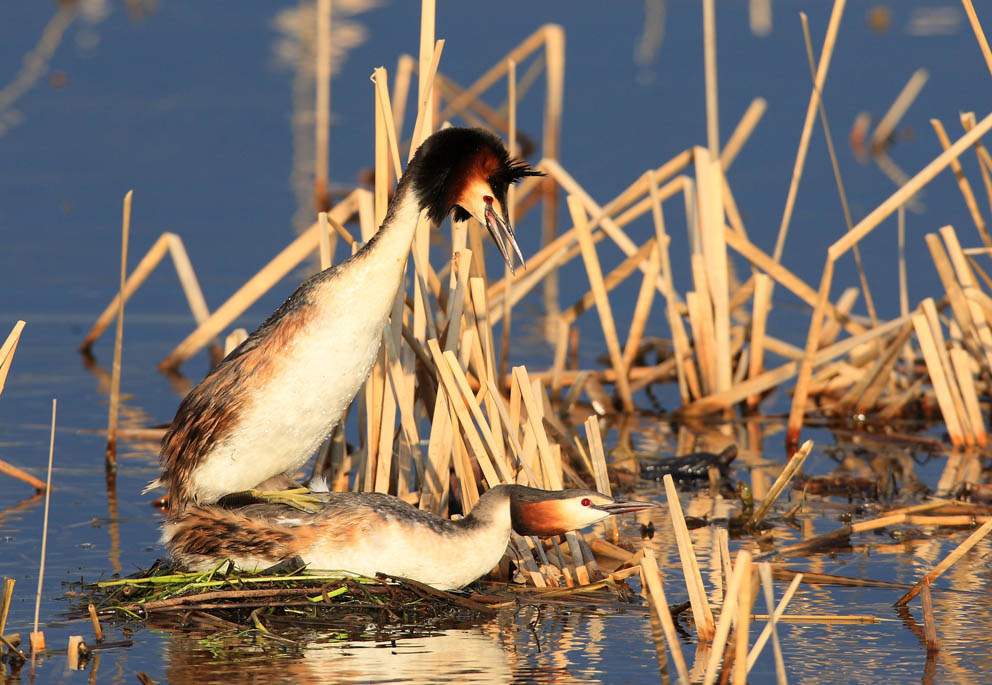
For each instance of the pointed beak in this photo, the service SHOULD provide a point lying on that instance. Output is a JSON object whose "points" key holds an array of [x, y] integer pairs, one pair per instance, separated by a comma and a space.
{"points": [[621, 507], [499, 229]]}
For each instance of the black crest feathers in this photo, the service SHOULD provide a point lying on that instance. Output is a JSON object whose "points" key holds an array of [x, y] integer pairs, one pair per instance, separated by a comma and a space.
{"points": [[452, 157]]}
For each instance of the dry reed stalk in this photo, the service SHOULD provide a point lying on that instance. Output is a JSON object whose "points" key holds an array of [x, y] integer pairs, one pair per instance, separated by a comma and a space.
{"points": [[322, 104], [167, 243], [6, 595], [405, 66], [642, 308], [960, 362], [94, 621], [765, 572], [948, 520], [609, 226], [701, 335], [597, 457], [770, 379], [869, 301], [456, 376], [788, 473], [865, 226], [964, 186], [257, 285], [686, 372], [709, 60], [595, 274], [863, 396], [759, 318], [823, 66], [948, 561], [38, 637], [752, 115], [773, 618], [984, 159], [841, 533], [944, 359], [904, 193], [115, 383], [656, 592], [745, 600], [564, 247], [929, 624], [742, 567], [511, 199], [21, 475], [805, 368], [966, 277], [7, 351], [845, 303], [611, 281], [887, 124], [380, 79], [785, 277], [709, 184], [976, 26], [702, 615]]}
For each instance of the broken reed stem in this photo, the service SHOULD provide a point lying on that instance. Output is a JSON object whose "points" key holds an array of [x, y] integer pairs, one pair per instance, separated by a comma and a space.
{"points": [[742, 567], [702, 615], [6, 595], [869, 301], [783, 480], [40, 639], [929, 624], [7, 351], [976, 26], [652, 580], [841, 533], [742, 132], [963, 185], [709, 58], [95, 620], [774, 614], [887, 124], [322, 105], [115, 383], [948, 561], [595, 273], [745, 597], [797, 171]]}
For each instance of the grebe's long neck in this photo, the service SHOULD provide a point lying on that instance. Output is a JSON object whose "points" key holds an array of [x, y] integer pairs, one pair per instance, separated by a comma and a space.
{"points": [[389, 247]]}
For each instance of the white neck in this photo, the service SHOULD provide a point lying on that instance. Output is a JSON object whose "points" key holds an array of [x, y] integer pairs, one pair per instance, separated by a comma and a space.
{"points": [[390, 246]]}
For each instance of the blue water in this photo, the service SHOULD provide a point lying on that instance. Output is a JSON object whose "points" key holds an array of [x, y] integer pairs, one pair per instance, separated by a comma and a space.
{"points": [[190, 107]]}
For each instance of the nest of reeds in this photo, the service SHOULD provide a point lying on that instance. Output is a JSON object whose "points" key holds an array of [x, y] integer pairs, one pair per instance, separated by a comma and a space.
{"points": [[287, 598]]}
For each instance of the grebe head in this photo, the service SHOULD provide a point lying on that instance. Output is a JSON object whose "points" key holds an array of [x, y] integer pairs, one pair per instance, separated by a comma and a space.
{"points": [[553, 512], [469, 171]]}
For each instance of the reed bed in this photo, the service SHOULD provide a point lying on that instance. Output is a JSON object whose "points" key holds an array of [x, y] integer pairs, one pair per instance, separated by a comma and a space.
{"points": [[446, 413]]}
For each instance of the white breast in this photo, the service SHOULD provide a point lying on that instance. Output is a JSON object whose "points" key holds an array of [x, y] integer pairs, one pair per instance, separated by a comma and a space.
{"points": [[292, 412]]}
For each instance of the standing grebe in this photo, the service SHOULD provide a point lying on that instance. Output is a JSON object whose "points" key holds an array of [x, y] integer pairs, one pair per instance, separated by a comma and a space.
{"points": [[368, 533], [264, 410]]}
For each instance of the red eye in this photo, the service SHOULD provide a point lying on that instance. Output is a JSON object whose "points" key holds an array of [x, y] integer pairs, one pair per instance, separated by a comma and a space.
{"points": [[487, 199], [586, 501]]}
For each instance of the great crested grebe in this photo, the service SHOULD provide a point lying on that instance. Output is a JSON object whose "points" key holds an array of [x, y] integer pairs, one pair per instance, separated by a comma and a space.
{"points": [[264, 410], [368, 533]]}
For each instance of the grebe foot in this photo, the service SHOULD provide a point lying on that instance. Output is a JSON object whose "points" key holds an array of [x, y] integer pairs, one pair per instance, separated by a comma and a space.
{"points": [[298, 498]]}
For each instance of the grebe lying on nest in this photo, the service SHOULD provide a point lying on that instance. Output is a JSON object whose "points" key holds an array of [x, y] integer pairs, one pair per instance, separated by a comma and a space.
{"points": [[368, 533]]}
